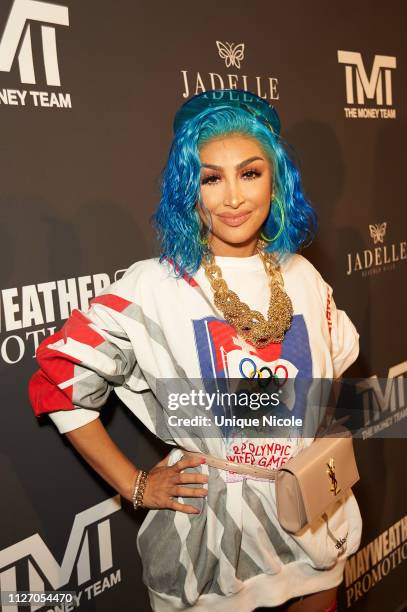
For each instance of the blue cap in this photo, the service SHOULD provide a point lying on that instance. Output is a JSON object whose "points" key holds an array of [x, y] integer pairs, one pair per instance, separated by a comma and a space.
{"points": [[240, 98]]}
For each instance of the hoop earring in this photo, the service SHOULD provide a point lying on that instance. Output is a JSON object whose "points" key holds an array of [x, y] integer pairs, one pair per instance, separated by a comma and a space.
{"points": [[203, 237], [263, 235], [203, 241]]}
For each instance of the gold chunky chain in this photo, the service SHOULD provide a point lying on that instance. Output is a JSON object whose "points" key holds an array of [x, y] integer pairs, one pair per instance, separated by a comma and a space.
{"points": [[251, 324]]}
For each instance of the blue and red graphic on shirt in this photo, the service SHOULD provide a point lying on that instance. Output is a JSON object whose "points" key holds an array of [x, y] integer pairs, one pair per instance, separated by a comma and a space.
{"points": [[217, 343], [224, 355], [221, 353]]}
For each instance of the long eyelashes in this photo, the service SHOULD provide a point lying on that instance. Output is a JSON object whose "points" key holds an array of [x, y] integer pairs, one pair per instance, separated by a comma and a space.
{"points": [[249, 174]]}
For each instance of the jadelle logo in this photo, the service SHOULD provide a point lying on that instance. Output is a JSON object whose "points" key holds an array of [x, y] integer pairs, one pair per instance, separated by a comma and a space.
{"points": [[378, 232], [233, 55], [16, 47], [360, 87], [380, 258]]}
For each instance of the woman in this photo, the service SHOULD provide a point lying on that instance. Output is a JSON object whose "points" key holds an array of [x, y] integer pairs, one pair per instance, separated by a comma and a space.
{"points": [[229, 296]]}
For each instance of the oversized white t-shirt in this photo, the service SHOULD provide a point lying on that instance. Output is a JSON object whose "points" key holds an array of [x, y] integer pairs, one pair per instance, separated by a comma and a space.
{"points": [[246, 276], [148, 327]]}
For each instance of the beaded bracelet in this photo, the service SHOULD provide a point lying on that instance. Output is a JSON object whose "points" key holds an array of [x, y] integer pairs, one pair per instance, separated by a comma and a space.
{"points": [[139, 487]]}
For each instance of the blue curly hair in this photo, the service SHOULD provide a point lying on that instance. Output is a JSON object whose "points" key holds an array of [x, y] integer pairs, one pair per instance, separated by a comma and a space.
{"points": [[176, 219]]}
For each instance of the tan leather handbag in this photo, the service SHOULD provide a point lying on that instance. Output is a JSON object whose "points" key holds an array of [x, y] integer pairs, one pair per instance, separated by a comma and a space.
{"points": [[309, 483]]}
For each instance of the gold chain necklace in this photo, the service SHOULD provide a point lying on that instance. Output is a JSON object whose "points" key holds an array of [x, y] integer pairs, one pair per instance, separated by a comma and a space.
{"points": [[251, 324]]}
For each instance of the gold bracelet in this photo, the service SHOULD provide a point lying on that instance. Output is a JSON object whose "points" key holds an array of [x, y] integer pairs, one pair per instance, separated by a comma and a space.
{"points": [[136, 483], [139, 487]]}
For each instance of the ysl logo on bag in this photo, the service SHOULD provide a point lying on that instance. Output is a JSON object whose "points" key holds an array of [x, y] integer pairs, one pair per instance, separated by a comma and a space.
{"points": [[331, 473]]}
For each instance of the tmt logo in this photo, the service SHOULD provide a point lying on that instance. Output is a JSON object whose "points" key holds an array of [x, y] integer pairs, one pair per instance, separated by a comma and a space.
{"points": [[384, 404], [18, 29], [377, 86], [41, 564]]}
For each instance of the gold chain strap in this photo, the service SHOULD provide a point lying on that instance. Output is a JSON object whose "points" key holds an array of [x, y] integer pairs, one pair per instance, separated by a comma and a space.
{"points": [[251, 324]]}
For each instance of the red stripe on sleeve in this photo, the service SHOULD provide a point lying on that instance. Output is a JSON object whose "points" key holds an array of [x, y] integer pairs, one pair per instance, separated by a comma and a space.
{"points": [[57, 366], [77, 328], [46, 397], [111, 301]]}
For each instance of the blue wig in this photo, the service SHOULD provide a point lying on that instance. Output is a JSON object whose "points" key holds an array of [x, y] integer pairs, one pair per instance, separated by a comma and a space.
{"points": [[176, 219]]}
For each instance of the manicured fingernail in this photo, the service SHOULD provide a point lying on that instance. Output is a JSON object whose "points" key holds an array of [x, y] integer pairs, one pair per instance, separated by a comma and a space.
{"points": [[203, 460]]}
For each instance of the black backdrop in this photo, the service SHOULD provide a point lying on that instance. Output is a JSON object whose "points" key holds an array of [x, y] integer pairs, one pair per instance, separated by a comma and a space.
{"points": [[85, 131]]}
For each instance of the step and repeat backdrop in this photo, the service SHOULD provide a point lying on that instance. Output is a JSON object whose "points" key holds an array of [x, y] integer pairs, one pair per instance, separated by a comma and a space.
{"points": [[88, 91]]}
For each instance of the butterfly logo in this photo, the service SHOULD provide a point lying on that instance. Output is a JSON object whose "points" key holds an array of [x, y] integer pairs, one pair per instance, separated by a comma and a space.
{"points": [[231, 53], [377, 232]]}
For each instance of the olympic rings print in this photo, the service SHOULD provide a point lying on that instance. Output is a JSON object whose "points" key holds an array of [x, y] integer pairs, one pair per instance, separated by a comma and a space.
{"points": [[251, 371]]}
